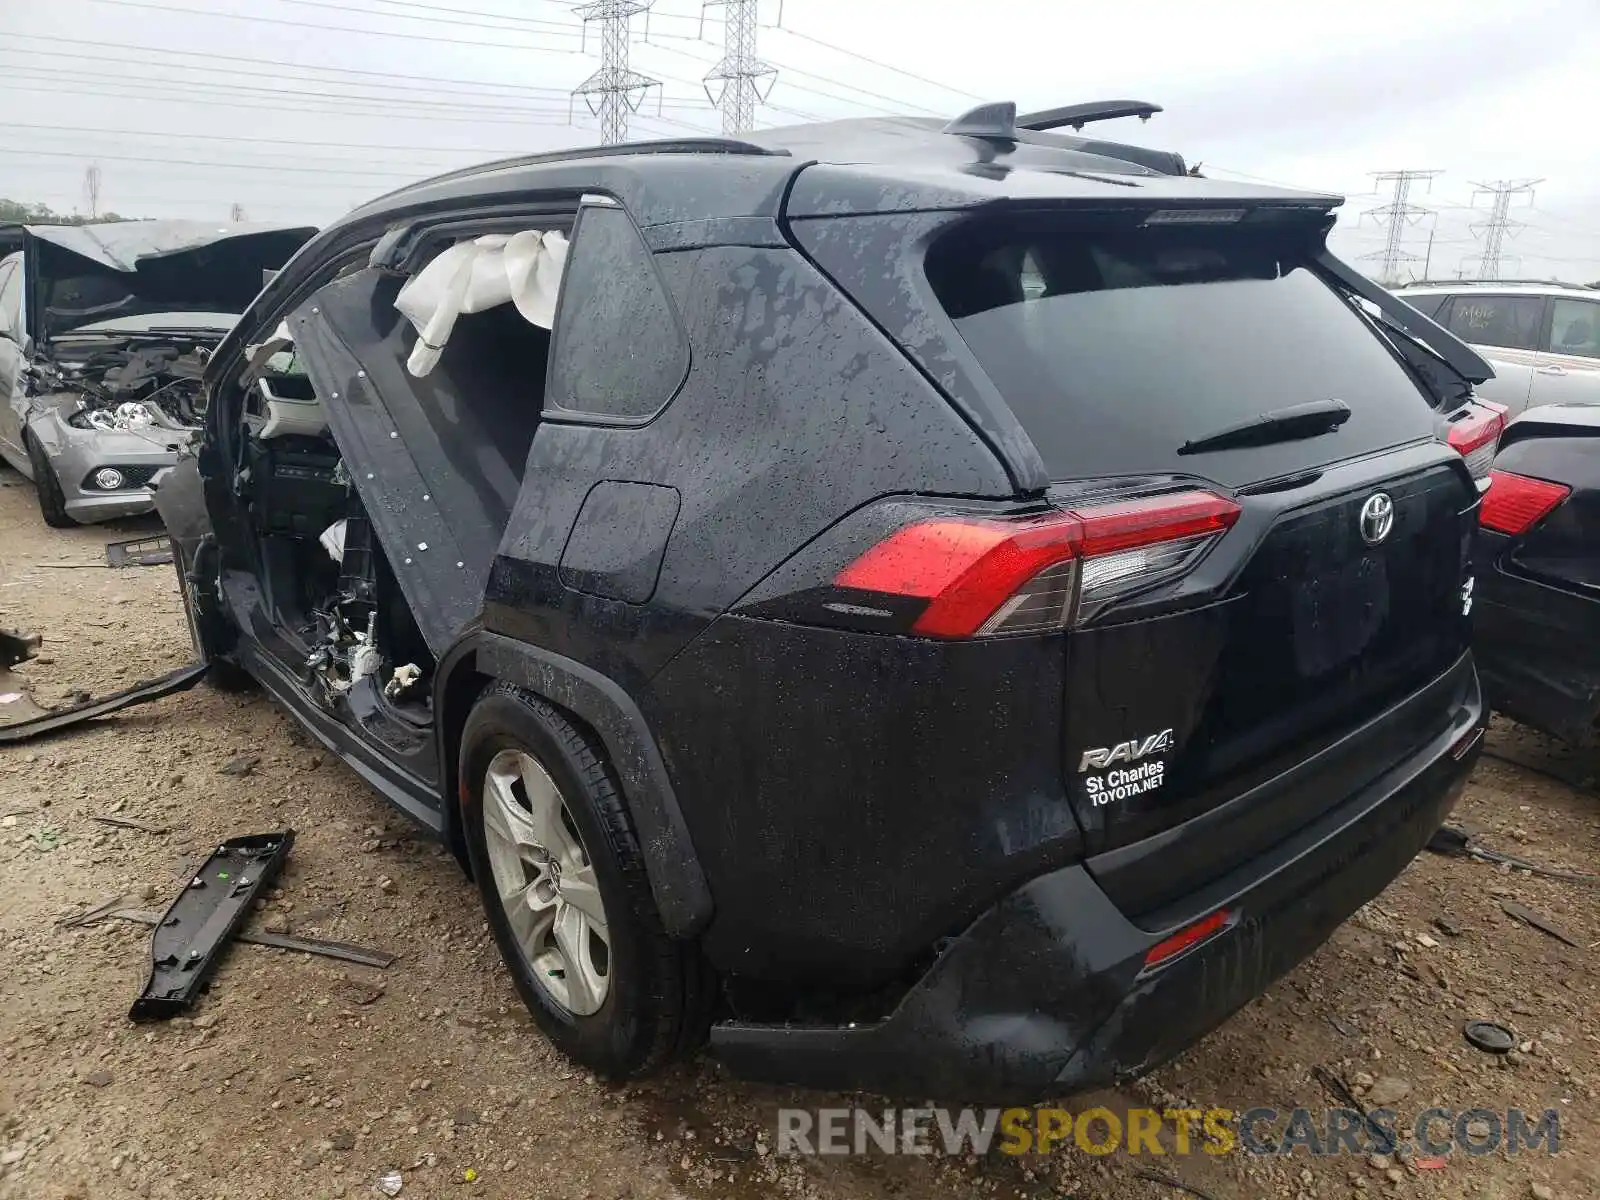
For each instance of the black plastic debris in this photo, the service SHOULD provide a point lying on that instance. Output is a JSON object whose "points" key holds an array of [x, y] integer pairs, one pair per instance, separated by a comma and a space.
{"points": [[195, 930], [84, 708], [139, 552], [1489, 1037]]}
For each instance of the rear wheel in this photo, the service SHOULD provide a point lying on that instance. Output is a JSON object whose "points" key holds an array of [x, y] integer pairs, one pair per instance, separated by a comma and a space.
{"points": [[52, 501], [563, 883]]}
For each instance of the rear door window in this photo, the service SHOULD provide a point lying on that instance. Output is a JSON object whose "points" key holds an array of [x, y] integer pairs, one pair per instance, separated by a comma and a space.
{"points": [[1115, 348], [1508, 321]]}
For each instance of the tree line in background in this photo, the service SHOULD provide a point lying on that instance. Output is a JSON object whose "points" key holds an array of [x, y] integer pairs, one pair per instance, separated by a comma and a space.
{"points": [[12, 211]]}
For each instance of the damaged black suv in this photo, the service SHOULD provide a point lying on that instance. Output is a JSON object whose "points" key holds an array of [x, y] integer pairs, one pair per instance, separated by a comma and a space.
{"points": [[955, 611]]}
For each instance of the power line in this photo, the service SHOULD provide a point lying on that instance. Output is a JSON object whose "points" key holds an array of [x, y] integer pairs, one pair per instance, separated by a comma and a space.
{"points": [[619, 89], [126, 51], [805, 37], [388, 33], [740, 72], [1397, 214], [454, 19], [1499, 222], [393, 93]]}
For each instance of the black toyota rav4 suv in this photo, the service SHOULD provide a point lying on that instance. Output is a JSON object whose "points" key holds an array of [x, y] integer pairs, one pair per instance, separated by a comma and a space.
{"points": [[948, 610]]}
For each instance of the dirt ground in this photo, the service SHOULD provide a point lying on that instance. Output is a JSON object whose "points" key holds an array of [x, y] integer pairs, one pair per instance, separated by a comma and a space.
{"points": [[300, 1077]]}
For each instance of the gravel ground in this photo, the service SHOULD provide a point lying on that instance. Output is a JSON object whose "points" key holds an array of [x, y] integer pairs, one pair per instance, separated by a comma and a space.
{"points": [[299, 1077]]}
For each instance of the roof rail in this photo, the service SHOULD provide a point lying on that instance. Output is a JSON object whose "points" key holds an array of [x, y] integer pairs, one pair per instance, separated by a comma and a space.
{"points": [[1079, 115], [701, 145], [1558, 283]]}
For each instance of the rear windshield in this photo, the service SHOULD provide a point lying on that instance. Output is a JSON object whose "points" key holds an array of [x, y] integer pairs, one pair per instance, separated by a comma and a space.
{"points": [[1114, 348]]}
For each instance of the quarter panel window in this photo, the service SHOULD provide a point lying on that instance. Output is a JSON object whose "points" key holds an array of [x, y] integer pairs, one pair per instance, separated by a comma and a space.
{"points": [[1575, 328], [619, 353]]}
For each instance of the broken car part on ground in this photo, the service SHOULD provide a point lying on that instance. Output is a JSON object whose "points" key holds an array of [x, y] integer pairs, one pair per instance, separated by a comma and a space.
{"points": [[199, 924], [104, 334]]}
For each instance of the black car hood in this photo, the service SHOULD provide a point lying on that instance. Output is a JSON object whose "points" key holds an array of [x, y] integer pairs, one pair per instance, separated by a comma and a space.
{"points": [[78, 274]]}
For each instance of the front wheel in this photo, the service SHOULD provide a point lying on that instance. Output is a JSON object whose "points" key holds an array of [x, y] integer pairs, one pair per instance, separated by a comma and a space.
{"points": [[558, 864], [52, 501]]}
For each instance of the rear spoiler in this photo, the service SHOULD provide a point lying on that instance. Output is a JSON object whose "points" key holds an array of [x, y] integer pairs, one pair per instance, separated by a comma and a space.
{"points": [[1452, 349]]}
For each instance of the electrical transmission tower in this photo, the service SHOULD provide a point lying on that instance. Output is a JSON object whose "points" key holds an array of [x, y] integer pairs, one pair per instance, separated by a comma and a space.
{"points": [[1397, 214], [746, 80], [91, 190], [1499, 222], [236, 214], [613, 91]]}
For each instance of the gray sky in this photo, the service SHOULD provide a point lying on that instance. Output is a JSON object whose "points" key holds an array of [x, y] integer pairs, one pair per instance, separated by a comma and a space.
{"points": [[290, 121]]}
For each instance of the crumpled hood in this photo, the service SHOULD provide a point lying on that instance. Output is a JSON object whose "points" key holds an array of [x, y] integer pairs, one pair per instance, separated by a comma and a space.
{"points": [[80, 274]]}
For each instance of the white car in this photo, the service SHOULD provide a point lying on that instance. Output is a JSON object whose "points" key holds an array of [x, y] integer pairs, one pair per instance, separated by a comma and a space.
{"points": [[1543, 339]]}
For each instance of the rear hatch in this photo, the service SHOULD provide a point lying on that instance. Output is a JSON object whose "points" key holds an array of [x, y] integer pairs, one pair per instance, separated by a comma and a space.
{"points": [[1231, 680]]}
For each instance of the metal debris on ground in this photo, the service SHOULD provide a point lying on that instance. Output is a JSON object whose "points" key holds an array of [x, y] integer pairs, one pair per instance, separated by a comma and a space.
{"points": [[87, 710], [1172, 1181], [1542, 923], [140, 552], [390, 1183], [125, 823], [1489, 1037], [92, 914], [1342, 1092], [194, 932], [364, 956], [1453, 842]]}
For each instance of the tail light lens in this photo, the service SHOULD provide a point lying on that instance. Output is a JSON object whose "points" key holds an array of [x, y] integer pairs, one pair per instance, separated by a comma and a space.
{"points": [[1514, 504], [987, 576], [1476, 435]]}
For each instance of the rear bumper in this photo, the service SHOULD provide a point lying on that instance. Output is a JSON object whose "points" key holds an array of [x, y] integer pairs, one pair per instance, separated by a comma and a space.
{"points": [[1047, 992], [1537, 646]]}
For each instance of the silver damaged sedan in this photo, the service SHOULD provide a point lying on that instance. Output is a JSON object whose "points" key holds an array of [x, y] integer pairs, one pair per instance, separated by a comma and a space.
{"points": [[104, 334]]}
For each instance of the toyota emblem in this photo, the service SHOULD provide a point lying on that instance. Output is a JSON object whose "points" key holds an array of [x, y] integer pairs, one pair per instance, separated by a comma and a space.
{"points": [[1377, 518]]}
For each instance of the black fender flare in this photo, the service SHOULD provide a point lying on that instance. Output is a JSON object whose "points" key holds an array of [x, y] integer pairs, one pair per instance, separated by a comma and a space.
{"points": [[677, 880]]}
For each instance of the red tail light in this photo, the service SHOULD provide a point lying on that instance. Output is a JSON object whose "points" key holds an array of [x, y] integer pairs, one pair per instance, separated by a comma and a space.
{"points": [[1514, 504], [984, 576], [1475, 436]]}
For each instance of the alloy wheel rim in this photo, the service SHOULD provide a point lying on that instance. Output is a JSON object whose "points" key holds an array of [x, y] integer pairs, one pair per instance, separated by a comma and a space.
{"points": [[546, 883]]}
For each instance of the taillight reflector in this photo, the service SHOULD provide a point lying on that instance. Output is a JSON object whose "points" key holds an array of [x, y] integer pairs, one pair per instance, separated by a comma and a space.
{"points": [[1514, 503], [1188, 937], [1474, 437], [977, 573]]}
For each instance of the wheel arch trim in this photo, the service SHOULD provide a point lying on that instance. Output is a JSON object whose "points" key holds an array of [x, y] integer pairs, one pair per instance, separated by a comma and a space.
{"points": [[677, 880]]}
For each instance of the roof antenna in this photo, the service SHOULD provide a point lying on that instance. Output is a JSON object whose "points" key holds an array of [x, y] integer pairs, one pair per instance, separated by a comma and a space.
{"points": [[994, 122]]}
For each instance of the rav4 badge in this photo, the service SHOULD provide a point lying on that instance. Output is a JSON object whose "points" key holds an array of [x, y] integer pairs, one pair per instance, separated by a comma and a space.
{"points": [[1129, 751]]}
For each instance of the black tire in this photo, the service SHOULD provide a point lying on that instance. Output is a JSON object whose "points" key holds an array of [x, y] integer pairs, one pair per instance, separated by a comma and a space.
{"points": [[659, 1003], [52, 502]]}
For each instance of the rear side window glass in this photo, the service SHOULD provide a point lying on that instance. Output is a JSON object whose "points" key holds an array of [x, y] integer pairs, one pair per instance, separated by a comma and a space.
{"points": [[619, 352], [1575, 327], [1114, 348], [1509, 321], [1435, 308]]}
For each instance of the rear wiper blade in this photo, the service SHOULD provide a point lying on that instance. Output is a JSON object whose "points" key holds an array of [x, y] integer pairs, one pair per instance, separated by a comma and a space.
{"points": [[1280, 425]]}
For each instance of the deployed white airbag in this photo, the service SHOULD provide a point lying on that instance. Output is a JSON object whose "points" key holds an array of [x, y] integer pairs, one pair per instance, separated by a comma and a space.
{"points": [[470, 277]]}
